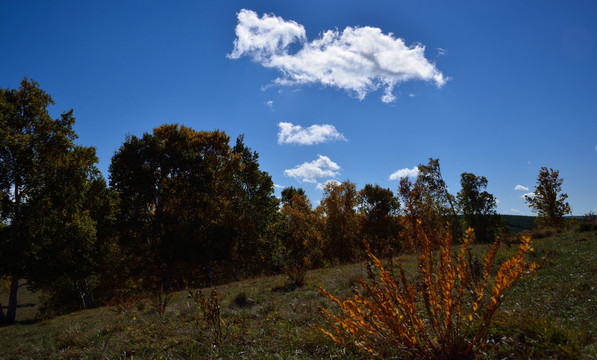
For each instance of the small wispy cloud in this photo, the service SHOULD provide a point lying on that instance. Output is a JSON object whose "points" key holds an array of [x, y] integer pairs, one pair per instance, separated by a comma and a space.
{"points": [[321, 186], [529, 194], [314, 134], [515, 210], [276, 186], [521, 187], [595, 148], [309, 172], [357, 59], [270, 104], [406, 172]]}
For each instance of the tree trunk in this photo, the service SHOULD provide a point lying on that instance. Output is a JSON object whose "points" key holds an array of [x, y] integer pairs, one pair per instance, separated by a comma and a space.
{"points": [[208, 274], [166, 278], [3, 320], [11, 314], [84, 294]]}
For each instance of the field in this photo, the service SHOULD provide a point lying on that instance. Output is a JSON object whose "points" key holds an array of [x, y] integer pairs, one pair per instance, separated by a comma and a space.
{"points": [[552, 314]]}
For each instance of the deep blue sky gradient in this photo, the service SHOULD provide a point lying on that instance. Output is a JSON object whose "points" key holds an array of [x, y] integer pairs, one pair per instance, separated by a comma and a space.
{"points": [[522, 91]]}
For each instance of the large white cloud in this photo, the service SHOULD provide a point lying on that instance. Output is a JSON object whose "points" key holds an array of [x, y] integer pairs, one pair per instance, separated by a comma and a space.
{"points": [[357, 59], [309, 172], [521, 187], [406, 172], [314, 134]]}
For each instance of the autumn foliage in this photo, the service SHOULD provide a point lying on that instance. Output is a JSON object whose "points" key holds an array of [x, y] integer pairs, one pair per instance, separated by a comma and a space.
{"points": [[444, 315]]}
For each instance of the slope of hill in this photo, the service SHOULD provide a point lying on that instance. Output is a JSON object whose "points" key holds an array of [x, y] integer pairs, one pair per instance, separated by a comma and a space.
{"points": [[550, 314]]}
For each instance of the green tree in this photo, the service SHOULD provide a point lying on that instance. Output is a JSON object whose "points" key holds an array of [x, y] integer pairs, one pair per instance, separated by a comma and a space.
{"points": [[42, 178], [191, 205], [339, 204], [253, 213], [428, 206], [74, 232], [380, 224], [289, 192], [548, 200], [433, 186], [168, 184], [478, 207]]}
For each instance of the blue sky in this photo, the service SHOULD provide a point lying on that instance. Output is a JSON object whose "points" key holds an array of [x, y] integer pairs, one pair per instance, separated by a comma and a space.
{"points": [[498, 89]]}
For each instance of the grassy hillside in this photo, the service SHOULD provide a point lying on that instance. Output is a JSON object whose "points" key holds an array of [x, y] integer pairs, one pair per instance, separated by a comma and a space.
{"points": [[518, 223], [550, 314]]}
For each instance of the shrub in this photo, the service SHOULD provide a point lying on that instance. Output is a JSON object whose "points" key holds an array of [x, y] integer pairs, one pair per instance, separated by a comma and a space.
{"points": [[241, 300], [588, 223], [446, 317], [210, 306], [160, 300]]}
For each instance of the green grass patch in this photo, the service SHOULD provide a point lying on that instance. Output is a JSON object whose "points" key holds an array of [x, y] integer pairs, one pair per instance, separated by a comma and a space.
{"points": [[551, 314]]}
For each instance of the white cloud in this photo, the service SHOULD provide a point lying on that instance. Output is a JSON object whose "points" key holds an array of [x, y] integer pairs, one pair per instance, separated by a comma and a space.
{"points": [[595, 148], [276, 186], [515, 210], [309, 172], [520, 187], [262, 38], [406, 172], [321, 186], [358, 59], [529, 194], [314, 134], [270, 104]]}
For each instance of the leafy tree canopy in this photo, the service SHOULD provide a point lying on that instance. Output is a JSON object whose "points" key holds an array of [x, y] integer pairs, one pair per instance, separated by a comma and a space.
{"points": [[548, 200]]}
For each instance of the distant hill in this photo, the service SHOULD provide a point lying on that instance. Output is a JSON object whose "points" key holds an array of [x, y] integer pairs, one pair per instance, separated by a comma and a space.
{"points": [[518, 223]]}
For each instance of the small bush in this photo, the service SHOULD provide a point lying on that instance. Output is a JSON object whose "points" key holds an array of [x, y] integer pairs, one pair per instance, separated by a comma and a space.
{"points": [[542, 233], [160, 300], [296, 273], [242, 300], [210, 307], [446, 318], [588, 223]]}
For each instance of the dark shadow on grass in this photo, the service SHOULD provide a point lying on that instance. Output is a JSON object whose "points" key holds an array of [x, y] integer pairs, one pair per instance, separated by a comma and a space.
{"points": [[286, 287]]}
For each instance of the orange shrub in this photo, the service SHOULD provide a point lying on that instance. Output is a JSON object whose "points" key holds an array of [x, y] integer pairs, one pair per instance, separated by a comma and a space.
{"points": [[445, 316]]}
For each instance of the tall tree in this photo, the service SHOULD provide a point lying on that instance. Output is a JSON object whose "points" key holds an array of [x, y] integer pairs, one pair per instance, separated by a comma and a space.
{"points": [[300, 236], [189, 201], [73, 226], [380, 224], [167, 183], [428, 206], [41, 170], [339, 206], [430, 179], [548, 200], [478, 207], [253, 211]]}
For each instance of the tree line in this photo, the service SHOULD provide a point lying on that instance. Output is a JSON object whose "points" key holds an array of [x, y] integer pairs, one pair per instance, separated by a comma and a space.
{"points": [[188, 208]]}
